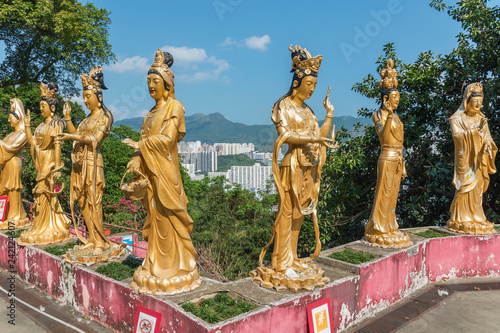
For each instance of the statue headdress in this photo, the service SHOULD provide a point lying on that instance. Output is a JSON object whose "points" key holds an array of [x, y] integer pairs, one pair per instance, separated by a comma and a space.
{"points": [[161, 65], [46, 92], [473, 89], [303, 62], [17, 108], [94, 81], [389, 76]]}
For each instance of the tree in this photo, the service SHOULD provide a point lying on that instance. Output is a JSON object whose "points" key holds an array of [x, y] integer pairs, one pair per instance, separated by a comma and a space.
{"points": [[431, 91], [52, 40]]}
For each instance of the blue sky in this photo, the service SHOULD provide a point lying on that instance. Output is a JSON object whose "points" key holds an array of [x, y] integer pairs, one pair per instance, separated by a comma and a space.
{"points": [[231, 56]]}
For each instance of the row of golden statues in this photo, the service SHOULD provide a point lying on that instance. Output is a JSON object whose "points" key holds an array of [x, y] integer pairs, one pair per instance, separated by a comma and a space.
{"points": [[170, 263]]}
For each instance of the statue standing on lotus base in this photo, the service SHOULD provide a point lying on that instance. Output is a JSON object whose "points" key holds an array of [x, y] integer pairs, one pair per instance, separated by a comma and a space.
{"points": [[87, 175], [50, 225], [475, 154], [297, 179], [170, 263], [382, 228]]}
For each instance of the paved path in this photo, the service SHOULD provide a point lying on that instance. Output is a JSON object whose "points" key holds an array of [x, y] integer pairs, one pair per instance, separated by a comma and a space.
{"points": [[455, 306], [476, 311]]}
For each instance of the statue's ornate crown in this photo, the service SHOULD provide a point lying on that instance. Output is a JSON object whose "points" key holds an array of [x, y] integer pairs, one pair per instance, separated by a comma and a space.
{"points": [[89, 82], [46, 92], [163, 68], [159, 63], [303, 61], [389, 76], [476, 88]]}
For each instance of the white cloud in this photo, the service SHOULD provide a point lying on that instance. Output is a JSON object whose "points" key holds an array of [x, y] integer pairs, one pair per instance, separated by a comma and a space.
{"points": [[78, 99], [210, 74], [184, 55], [253, 43], [196, 65], [229, 41], [130, 64], [258, 43], [196, 60]]}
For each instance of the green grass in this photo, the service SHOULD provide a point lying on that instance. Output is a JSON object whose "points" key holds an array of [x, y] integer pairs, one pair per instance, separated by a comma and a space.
{"points": [[119, 270], [59, 250], [219, 308], [430, 233], [497, 228], [352, 257], [16, 234]]}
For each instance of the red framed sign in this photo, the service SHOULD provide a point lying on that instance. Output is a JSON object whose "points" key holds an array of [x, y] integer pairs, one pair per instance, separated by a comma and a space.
{"points": [[147, 321], [319, 317], [4, 207]]}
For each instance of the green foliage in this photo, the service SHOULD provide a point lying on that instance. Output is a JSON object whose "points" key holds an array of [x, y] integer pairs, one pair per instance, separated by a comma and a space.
{"points": [[225, 162], [119, 270], [14, 234], [52, 40], [430, 233], [116, 156], [219, 308], [353, 257], [497, 228], [231, 225], [59, 250]]}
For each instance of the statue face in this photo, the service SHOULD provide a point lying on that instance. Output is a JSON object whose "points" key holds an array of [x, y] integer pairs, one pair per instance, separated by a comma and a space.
{"points": [[45, 109], [90, 99], [394, 99], [156, 87], [13, 120], [306, 88], [474, 105]]}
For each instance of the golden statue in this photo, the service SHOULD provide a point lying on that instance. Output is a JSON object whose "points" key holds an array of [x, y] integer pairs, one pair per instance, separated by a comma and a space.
{"points": [[50, 225], [170, 263], [87, 175], [475, 154], [297, 178], [382, 228], [11, 165]]}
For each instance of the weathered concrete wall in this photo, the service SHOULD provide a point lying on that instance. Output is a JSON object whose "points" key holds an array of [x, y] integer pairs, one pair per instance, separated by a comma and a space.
{"points": [[379, 284]]}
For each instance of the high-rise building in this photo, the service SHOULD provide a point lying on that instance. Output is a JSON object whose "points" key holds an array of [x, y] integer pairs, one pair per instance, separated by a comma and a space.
{"points": [[252, 178]]}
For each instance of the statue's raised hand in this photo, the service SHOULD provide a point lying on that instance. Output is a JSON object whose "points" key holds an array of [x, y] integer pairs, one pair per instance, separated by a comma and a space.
{"points": [[27, 119], [67, 110], [326, 103], [388, 106]]}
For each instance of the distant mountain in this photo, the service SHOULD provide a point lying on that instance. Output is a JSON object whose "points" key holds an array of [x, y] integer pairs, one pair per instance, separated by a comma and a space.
{"points": [[215, 127]]}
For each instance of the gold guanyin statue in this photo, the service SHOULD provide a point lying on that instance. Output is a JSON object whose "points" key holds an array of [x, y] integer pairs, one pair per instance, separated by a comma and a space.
{"points": [[297, 178], [87, 175], [50, 225], [170, 263], [382, 228], [11, 167], [475, 154]]}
